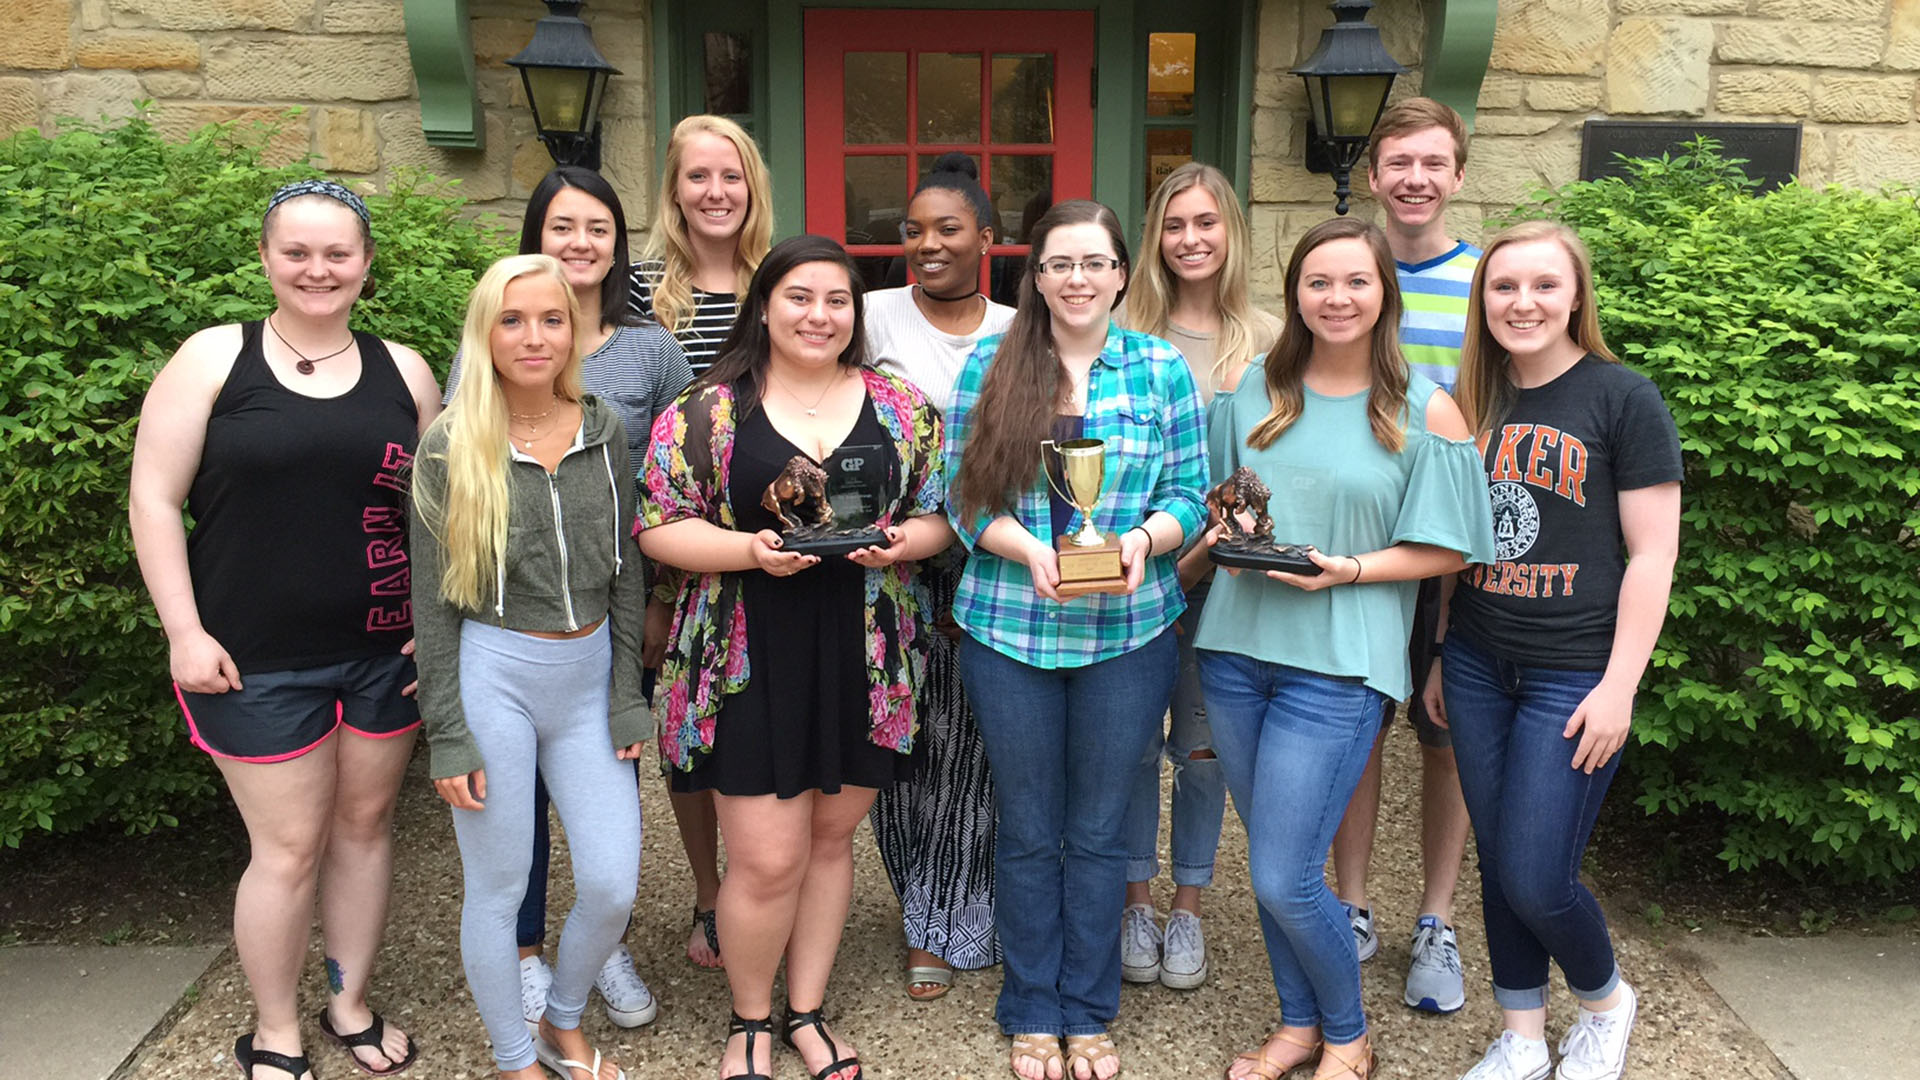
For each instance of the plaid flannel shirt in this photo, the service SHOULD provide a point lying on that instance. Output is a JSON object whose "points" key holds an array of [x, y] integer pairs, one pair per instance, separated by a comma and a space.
{"points": [[1140, 399]]}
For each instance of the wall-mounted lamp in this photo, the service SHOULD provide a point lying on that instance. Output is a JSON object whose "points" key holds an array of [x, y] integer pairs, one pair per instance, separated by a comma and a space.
{"points": [[566, 78], [1348, 78]]}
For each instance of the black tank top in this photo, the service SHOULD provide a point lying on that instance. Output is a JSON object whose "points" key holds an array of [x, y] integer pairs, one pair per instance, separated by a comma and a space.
{"points": [[299, 544]]}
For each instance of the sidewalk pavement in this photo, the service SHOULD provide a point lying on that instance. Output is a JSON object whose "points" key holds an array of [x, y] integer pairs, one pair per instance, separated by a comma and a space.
{"points": [[81, 1010], [1841, 1006], [1685, 1028]]}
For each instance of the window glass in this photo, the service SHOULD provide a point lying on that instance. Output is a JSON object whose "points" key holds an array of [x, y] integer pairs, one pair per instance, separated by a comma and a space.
{"points": [[729, 66], [876, 97]]}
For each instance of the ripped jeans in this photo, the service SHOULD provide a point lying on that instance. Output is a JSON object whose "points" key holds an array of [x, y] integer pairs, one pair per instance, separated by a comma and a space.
{"points": [[1199, 788]]}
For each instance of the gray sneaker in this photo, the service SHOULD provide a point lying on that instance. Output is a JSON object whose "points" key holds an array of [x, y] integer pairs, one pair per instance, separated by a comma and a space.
{"points": [[1183, 963], [1433, 979], [1139, 944], [1365, 941]]}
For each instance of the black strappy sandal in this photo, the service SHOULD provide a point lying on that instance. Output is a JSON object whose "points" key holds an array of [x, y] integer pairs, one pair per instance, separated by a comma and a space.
{"points": [[742, 1026], [816, 1019], [372, 1038], [245, 1056], [709, 923]]}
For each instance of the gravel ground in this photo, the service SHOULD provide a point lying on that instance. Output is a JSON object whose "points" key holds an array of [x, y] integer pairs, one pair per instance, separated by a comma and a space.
{"points": [[1684, 1028]]}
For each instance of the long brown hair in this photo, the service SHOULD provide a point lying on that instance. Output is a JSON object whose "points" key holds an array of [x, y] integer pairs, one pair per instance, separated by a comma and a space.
{"points": [[1286, 364], [743, 358], [1485, 392], [1023, 386]]}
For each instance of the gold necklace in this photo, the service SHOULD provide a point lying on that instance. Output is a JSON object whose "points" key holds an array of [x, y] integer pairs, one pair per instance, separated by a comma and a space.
{"points": [[532, 421], [815, 407]]}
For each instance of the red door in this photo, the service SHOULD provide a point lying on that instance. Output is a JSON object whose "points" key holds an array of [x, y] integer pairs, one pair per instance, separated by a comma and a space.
{"points": [[889, 91]]}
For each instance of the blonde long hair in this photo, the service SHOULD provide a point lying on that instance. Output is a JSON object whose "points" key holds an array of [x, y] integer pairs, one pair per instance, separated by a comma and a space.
{"points": [[673, 305], [1286, 364], [469, 517], [1484, 391], [1156, 290]]}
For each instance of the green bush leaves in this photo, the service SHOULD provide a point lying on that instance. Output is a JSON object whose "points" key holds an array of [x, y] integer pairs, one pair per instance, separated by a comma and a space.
{"points": [[1784, 331], [115, 245]]}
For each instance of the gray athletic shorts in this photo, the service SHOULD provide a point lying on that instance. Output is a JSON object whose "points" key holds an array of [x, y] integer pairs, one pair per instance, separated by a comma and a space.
{"points": [[280, 715]]}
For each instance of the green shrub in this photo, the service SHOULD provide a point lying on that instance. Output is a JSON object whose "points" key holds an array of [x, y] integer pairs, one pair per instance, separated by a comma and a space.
{"points": [[1783, 330], [115, 245]]}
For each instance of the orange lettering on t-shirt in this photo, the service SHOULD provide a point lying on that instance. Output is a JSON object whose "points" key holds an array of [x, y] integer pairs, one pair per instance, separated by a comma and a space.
{"points": [[1547, 571], [1567, 570], [1507, 571], [1543, 439], [1506, 464], [1573, 470]]}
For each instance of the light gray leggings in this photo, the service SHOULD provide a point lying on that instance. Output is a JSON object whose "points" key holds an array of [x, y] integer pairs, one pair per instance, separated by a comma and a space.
{"points": [[530, 699]]}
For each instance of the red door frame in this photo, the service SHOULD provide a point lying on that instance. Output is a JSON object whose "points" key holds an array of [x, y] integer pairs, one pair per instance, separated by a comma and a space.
{"points": [[829, 34]]}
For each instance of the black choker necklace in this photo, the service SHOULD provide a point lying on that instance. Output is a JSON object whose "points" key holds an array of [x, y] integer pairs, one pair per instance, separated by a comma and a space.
{"points": [[954, 299]]}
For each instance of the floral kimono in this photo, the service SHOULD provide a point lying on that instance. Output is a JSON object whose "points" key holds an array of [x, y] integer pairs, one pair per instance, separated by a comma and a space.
{"points": [[686, 477]]}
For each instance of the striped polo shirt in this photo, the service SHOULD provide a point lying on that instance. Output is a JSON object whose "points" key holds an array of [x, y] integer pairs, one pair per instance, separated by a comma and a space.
{"points": [[1434, 324]]}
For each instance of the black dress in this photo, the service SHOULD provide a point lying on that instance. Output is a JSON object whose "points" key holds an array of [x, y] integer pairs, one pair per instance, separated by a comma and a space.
{"points": [[803, 720]]}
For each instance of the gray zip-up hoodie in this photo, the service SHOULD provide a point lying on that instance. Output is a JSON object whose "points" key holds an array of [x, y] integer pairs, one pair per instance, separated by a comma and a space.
{"points": [[570, 560]]}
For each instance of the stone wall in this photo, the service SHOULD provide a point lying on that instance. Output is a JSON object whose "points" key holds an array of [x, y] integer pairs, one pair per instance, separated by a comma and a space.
{"points": [[343, 63], [1847, 69]]}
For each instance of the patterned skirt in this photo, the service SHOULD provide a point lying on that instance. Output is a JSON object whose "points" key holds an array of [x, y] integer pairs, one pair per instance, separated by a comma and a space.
{"points": [[935, 833]]}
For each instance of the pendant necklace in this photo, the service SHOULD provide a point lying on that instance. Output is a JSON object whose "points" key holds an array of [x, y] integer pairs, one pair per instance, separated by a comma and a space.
{"points": [[305, 366], [815, 407], [533, 421]]}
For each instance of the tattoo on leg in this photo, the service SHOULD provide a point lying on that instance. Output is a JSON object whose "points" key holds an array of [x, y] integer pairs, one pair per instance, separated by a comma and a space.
{"points": [[336, 979]]}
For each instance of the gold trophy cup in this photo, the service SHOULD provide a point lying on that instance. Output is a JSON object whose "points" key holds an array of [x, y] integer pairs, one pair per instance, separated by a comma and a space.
{"points": [[1089, 561]]}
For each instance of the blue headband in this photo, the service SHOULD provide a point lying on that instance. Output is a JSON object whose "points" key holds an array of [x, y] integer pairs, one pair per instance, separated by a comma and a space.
{"points": [[328, 188]]}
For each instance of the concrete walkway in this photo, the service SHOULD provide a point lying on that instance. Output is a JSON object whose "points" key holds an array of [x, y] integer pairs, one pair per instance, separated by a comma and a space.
{"points": [[1841, 1006], [48, 1010], [80, 1011]]}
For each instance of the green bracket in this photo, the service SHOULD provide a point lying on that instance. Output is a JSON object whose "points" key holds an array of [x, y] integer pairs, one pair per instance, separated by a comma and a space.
{"points": [[1459, 45], [440, 43]]}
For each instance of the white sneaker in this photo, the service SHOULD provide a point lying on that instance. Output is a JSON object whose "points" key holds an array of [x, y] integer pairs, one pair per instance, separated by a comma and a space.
{"points": [[1513, 1058], [629, 1002], [1139, 944], [1183, 963], [1365, 941], [535, 980], [1596, 1045]]}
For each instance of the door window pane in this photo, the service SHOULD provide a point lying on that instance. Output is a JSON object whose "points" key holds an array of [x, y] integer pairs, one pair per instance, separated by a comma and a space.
{"points": [[925, 165], [876, 198], [728, 69], [1022, 98], [949, 97], [1170, 62], [876, 97], [1167, 150], [1022, 190]]}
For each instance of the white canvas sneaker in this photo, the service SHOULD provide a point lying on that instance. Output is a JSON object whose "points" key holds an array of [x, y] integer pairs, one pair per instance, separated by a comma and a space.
{"points": [[535, 979], [629, 1002], [1596, 1045], [1183, 956], [1139, 944], [1513, 1058]]}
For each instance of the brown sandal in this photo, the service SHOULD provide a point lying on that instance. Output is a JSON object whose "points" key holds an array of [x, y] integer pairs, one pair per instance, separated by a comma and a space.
{"points": [[1359, 1068], [1091, 1049], [1265, 1068], [1040, 1047]]}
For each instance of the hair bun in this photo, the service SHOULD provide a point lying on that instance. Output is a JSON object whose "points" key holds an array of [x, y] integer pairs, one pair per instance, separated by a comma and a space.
{"points": [[953, 161]]}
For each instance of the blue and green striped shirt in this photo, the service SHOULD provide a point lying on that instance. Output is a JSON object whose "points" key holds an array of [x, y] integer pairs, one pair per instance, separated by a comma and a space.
{"points": [[1433, 326], [1140, 399]]}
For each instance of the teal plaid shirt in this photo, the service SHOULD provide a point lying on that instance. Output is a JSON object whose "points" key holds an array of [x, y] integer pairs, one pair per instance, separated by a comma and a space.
{"points": [[1141, 400]]}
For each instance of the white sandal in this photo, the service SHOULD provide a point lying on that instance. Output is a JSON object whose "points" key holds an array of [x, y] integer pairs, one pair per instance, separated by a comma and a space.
{"points": [[549, 1056]]}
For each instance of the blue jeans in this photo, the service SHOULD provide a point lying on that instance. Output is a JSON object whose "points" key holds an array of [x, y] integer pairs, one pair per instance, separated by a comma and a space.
{"points": [[1199, 790], [1293, 744], [1507, 720], [1056, 740]]}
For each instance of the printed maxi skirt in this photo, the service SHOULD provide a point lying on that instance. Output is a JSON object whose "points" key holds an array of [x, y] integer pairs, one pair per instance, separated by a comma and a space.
{"points": [[935, 833]]}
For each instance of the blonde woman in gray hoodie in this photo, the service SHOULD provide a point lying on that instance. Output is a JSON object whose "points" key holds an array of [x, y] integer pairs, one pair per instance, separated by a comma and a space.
{"points": [[528, 605]]}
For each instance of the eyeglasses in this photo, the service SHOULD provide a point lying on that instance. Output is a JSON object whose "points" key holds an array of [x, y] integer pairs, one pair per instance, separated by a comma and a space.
{"points": [[1092, 264]]}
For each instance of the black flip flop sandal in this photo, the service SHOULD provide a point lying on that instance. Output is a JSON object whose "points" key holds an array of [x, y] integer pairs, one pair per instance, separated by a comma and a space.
{"points": [[245, 1056], [374, 1034]]}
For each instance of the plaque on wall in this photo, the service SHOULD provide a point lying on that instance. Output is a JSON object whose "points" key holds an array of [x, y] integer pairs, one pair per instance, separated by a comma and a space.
{"points": [[1772, 151]]}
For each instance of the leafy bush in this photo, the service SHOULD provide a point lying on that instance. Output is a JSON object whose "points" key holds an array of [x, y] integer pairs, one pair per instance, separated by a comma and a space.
{"points": [[1783, 330], [115, 245]]}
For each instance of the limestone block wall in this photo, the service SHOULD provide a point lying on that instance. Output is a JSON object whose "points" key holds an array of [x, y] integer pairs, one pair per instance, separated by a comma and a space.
{"points": [[343, 63], [1849, 70]]}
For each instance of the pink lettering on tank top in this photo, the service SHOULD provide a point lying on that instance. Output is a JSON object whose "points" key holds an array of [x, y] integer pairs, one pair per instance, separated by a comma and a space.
{"points": [[391, 594]]}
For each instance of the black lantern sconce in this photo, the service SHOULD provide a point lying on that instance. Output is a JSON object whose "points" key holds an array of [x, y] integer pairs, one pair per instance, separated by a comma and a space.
{"points": [[1348, 78], [566, 78]]}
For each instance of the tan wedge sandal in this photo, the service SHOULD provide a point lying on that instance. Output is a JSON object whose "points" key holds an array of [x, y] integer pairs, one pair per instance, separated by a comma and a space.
{"points": [[1041, 1047], [1091, 1049]]}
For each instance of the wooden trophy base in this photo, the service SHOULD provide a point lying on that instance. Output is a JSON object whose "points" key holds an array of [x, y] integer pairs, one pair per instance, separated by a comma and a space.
{"points": [[1085, 570]]}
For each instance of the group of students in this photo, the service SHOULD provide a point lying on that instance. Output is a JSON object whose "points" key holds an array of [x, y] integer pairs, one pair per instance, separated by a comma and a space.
{"points": [[1491, 500]]}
